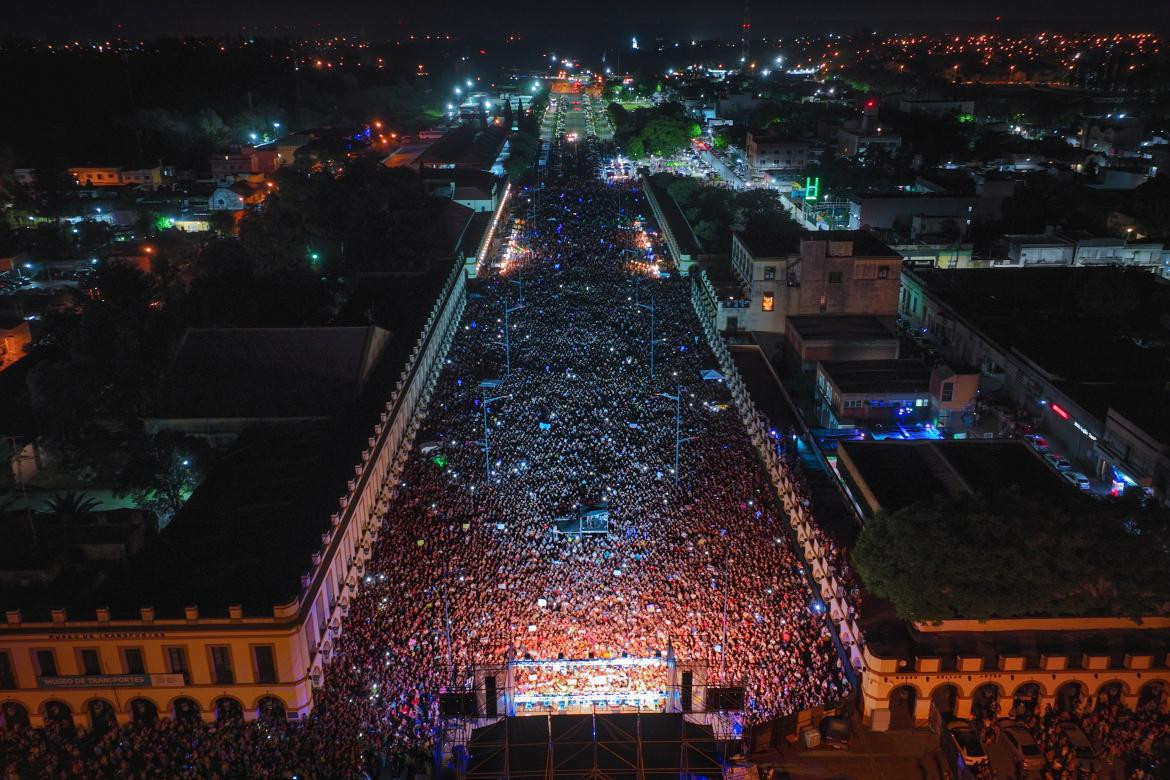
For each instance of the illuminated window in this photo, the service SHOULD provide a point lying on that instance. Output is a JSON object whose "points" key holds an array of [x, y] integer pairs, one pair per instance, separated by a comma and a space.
{"points": [[768, 303]]}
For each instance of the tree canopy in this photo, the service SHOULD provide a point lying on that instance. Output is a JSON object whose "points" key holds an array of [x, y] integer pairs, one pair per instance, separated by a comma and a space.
{"points": [[1017, 554], [662, 130]]}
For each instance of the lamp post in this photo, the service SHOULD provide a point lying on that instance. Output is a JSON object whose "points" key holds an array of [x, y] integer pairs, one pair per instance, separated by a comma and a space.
{"points": [[650, 308], [487, 457], [520, 283], [507, 339], [679, 440]]}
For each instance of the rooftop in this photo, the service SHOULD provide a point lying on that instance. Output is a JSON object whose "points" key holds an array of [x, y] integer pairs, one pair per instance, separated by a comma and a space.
{"points": [[877, 376], [814, 327], [777, 243], [269, 373], [465, 146], [1070, 321], [248, 532], [899, 473]]}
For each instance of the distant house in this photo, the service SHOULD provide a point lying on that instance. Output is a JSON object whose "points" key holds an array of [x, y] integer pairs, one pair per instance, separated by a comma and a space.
{"points": [[851, 143], [237, 196], [248, 160], [222, 381], [477, 190], [113, 176]]}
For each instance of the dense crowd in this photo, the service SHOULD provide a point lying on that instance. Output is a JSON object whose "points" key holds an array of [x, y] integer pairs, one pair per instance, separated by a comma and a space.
{"points": [[704, 566], [471, 567], [1117, 741]]}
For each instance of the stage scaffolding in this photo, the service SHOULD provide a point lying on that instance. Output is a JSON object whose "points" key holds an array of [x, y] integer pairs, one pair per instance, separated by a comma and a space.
{"points": [[693, 721]]}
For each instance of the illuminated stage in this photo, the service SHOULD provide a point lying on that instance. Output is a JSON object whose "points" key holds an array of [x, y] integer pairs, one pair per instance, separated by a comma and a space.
{"points": [[586, 685]]}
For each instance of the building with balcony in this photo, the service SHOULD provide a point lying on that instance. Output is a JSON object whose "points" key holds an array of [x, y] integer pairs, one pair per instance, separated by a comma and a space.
{"points": [[794, 273]]}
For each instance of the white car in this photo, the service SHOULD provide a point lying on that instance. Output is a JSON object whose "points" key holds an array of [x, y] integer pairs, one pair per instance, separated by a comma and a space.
{"points": [[966, 742], [1077, 479]]}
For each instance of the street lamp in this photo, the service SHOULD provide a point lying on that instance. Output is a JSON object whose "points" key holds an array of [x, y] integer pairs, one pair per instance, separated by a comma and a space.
{"points": [[507, 339], [487, 458], [650, 308], [678, 438]]}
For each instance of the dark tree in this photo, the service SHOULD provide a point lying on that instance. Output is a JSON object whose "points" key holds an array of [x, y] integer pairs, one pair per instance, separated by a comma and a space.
{"points": [[1017, 554]]}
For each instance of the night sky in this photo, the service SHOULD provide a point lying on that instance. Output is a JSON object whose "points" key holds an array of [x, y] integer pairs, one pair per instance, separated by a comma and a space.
{"points": [[605, 22]]}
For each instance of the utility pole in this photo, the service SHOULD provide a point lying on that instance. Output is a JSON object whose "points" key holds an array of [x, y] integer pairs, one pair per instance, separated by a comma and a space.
{"points": [[678, 438], [519, 282]]}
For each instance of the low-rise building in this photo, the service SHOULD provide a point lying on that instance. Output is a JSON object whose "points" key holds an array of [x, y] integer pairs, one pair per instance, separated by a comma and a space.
{"points": [[819, 338], [767, 152], [114, 176], [237, 605], [854, 143], [913, 214], [1051, 343], [854, 392], [1037, 250]]}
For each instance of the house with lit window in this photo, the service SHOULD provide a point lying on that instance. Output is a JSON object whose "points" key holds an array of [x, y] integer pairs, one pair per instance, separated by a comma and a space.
{"points": [[792, 273]]}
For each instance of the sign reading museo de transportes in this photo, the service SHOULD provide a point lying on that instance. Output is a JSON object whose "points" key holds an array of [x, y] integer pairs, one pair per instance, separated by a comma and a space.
{"points": [[111, 681]]}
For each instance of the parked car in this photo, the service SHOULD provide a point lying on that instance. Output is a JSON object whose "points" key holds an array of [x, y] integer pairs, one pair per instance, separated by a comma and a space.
{"points": [[1036, 442], [1057, 461], [1077, 479], [966, 742], [1082, 747], [1025, 753]]}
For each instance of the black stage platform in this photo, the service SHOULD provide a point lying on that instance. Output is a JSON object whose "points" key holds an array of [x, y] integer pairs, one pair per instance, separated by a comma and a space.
{"points": [[614, 746]]}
